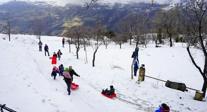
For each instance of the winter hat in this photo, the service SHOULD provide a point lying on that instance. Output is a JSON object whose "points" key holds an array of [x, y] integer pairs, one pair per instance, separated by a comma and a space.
{"points": [[70, 68], [66, 69], [165, 108]]}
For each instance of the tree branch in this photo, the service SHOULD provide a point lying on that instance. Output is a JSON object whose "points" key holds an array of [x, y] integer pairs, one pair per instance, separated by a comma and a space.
{"points": [[193, 61]]}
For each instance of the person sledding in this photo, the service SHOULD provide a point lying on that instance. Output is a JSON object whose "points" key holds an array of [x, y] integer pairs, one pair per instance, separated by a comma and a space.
{"points": [[68, 77], [109, 93], [55, 70]]}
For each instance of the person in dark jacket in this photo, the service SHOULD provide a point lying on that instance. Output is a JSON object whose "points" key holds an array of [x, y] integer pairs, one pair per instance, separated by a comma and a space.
{"points": [[109, 92], [46, 48], [67, 79], [59, 53], [135, 54], [61, 70], [54, 72], [40, 45], [72, 72]]}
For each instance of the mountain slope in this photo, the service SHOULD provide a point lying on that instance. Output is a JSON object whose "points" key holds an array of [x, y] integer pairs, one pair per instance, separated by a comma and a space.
{"points": [[26, 84]]}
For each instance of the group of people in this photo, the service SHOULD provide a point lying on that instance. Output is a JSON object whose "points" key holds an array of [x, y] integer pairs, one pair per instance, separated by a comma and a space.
{"points": [[135, 64], [46, 48], [67, 74]]}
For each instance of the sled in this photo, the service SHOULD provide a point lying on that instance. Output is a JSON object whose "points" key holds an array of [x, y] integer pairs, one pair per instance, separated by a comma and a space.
{"points": [[74, 86], [109, 96]]}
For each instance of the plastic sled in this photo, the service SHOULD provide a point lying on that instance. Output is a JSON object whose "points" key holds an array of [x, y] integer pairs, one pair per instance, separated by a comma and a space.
{"points": [[74, 86], [110, 96]]}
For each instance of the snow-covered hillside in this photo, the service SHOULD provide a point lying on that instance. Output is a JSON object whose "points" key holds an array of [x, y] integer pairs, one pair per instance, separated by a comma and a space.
{"points": [[27, 86]]}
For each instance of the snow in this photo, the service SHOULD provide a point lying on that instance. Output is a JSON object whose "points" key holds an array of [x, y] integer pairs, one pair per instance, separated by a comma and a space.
{"points": [[26, 84]]}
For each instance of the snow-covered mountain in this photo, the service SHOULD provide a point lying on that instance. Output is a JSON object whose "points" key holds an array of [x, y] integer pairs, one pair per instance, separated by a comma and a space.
{"points": [[27, 86], [23, 15]]}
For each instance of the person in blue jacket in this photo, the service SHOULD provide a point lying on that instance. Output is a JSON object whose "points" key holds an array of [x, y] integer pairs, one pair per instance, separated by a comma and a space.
{"points": [[61, 70], [163, 108]]}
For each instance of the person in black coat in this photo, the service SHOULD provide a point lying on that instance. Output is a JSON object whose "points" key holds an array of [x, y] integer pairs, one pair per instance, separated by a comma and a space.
{"points": [[63, 42], [46, 48], [59, 53], [72, 72], [40, 46], [109, 92]]}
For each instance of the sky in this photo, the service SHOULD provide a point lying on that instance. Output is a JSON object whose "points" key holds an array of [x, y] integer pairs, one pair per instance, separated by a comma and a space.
{"points": [[63, 2]]}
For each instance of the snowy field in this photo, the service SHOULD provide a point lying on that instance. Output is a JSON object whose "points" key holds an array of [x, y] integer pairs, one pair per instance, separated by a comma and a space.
{"points": [[27, 86]]}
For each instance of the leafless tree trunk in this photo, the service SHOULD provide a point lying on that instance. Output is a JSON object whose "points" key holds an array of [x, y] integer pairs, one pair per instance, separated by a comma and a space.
{"points": [[196, 11]]}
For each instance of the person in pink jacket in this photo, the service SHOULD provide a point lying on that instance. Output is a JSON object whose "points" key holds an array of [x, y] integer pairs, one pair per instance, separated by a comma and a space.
{"points": [[55, 70]]}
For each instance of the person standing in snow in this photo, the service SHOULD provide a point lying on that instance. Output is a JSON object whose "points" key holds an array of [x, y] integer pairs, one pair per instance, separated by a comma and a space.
{"points": [[134, 61], [54, 58], [46, 48], [40, 45], [59, 53], [54, 72], [61, 70], [141, 73], [63, 42], [135, 54]]}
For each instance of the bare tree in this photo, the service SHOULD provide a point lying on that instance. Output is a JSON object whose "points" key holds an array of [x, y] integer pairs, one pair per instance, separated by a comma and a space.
{"points": [[99, 30], [107, 38], [168, 22], [72, 29], [196, 13], [5, 26], [8, 29], [120, 38], [127, 26], [37, 27]]}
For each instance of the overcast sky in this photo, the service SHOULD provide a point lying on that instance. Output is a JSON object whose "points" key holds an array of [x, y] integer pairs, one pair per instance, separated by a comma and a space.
{"points": [[63, 2]]}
